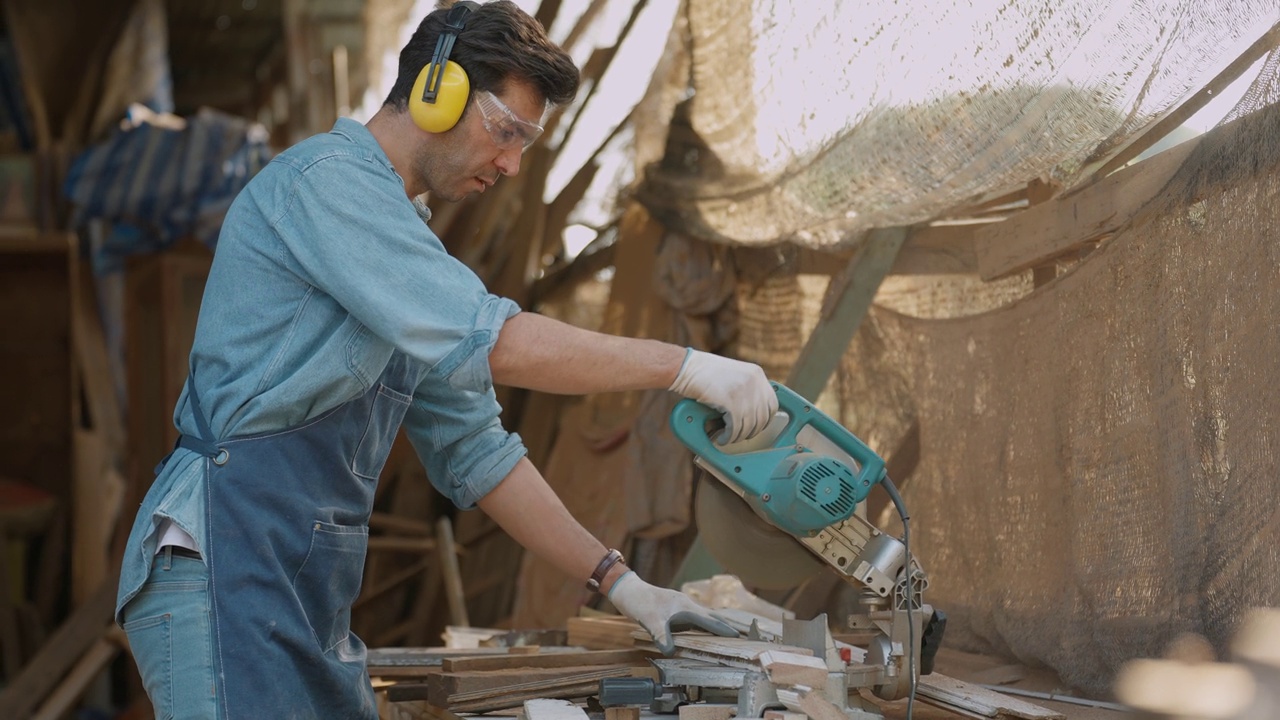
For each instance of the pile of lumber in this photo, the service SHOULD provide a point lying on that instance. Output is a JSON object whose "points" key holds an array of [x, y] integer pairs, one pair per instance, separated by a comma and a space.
{"points": [[438, 683]]}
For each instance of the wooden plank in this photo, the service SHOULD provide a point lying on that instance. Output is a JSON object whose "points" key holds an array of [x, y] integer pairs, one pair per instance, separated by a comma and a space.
{"points": [[945, 249], [1052, 229], [733, 652], [601, 633], [591, 675], [622, 713], [947, 692], [555, 660], [848, 299], [581, 690], [81, 630], [448, 688], [1173, 118]]}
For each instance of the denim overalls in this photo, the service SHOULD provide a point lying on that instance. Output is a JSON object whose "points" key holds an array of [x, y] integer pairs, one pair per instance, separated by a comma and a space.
{"points": [[288, 517]]}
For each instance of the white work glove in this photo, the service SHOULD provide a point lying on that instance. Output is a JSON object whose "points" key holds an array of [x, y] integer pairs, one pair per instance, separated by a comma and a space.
{"points": [[662, 611], [738, 389]]}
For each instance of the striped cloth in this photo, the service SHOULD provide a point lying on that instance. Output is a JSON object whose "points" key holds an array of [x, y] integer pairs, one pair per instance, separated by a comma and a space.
{"points": [[163, 178]]}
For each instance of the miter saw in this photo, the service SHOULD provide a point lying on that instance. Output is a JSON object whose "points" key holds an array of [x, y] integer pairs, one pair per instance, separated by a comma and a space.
{"points": [[786, 505]]}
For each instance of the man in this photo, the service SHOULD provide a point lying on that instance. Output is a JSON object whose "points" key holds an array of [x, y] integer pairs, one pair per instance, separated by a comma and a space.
{"points": [[332, 317]]}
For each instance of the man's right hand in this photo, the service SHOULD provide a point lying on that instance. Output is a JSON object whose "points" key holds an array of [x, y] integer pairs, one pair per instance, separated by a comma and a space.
{"points": [[738, 389]]}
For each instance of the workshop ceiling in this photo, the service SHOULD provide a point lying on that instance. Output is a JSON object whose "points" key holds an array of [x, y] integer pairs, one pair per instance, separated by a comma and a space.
{"points": [[228, 54]]}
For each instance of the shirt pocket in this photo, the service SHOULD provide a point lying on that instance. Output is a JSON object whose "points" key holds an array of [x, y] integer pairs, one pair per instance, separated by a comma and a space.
{"points": [[366, 354], [385, 415]]}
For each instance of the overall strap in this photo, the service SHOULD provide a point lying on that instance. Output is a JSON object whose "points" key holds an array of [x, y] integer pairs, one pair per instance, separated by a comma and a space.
{"points": [[204, 444]]}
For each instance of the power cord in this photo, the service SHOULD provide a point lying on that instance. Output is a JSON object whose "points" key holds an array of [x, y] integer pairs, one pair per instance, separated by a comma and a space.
{"points": [[910, 592]]}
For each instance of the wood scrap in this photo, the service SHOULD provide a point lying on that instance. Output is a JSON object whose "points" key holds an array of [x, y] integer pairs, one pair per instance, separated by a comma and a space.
{"points": [[786, 668], [602, 633], [707, 711], [553, 710], [622, 713]]}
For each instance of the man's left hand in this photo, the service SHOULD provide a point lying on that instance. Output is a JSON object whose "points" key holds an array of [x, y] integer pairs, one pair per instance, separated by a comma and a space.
{"points": [[662, 611]]}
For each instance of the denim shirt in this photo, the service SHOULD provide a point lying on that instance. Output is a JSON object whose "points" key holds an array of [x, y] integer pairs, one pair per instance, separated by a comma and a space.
{"points": [[323, 269]]}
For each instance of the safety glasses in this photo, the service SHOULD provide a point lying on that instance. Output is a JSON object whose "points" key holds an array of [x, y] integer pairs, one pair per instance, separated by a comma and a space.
{"points": [[507, 130]]}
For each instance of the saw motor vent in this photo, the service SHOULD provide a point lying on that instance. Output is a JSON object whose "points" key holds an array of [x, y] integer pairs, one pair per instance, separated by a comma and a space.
{"points": [[818, 479]]}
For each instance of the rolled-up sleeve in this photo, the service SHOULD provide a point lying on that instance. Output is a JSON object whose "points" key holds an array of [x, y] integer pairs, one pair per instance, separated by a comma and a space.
{"points": [[453, 421], [461, 442]]}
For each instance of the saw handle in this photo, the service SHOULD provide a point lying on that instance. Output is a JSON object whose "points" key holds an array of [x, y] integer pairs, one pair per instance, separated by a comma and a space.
{"points": [[689, 421]]}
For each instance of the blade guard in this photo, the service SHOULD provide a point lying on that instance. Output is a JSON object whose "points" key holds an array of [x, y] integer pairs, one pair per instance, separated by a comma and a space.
{"points": [[754, 470]]}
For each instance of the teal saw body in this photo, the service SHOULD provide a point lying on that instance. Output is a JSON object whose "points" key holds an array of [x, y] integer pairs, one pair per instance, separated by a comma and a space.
{"points": [[796, 487]]}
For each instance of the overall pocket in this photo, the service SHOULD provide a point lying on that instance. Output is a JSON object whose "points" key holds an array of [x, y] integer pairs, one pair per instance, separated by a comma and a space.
{"points": [[388, 409], [329, 580]]}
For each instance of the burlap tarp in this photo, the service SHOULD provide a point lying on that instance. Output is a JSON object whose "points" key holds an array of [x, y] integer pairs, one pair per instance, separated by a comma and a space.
{"points": [[1096, 469]]}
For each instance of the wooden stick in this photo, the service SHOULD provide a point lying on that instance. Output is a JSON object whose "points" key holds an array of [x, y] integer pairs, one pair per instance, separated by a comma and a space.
{"points": [[546, 660], [73, 687], [1177, 116], [71, 641], [452, 575]]}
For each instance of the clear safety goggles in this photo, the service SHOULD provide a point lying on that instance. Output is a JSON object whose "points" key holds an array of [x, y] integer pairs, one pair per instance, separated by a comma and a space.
{"points": [[507, 130]]}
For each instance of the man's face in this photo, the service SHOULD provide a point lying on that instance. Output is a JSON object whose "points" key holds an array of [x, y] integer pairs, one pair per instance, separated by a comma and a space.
{"points": [[466, 159]]}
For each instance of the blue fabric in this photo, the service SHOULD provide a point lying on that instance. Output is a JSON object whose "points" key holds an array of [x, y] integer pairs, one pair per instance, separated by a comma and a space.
{"points": [[162, 183], [324, 269], [287, 532], [171, 638]]}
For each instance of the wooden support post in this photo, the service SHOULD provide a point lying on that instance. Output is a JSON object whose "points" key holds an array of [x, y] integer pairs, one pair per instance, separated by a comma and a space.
{"points": [[848, 299]]}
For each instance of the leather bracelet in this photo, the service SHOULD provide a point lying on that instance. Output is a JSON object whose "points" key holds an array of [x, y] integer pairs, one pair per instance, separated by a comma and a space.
{"points": [[613, 557]]}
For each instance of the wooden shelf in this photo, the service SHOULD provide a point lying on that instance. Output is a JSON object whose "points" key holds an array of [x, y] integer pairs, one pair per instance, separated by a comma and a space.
{"points": [[30, 239]]}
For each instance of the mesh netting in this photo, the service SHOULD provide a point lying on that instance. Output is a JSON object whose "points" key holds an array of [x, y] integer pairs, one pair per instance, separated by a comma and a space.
{"points": [[1098, 459], [820, 120]]}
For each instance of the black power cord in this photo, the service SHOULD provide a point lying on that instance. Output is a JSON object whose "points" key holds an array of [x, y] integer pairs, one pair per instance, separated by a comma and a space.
{"points": [[910, 591]]}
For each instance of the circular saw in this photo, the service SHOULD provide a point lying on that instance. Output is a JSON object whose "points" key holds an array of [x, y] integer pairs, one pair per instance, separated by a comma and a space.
{"points": [[783, 505]]}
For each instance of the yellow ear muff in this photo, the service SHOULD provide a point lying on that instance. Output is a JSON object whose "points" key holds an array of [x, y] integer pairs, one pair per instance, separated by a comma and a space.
{"points": [[443, 114]]}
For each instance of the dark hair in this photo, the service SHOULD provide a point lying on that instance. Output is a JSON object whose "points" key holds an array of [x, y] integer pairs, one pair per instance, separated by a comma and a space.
{"points": [[499, 42]]}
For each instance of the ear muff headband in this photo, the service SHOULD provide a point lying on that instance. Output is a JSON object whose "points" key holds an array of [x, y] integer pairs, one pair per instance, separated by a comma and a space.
{"points": [[442, 89]]}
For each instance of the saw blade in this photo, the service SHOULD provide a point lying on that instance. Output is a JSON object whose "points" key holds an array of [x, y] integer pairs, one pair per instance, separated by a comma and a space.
{"points": [[761, 555]]}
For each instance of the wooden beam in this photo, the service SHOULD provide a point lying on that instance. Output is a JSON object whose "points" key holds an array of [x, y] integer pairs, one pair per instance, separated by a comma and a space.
{"points": [[1176, 116], [1072, 221], [945, 249], [848, 299]]}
